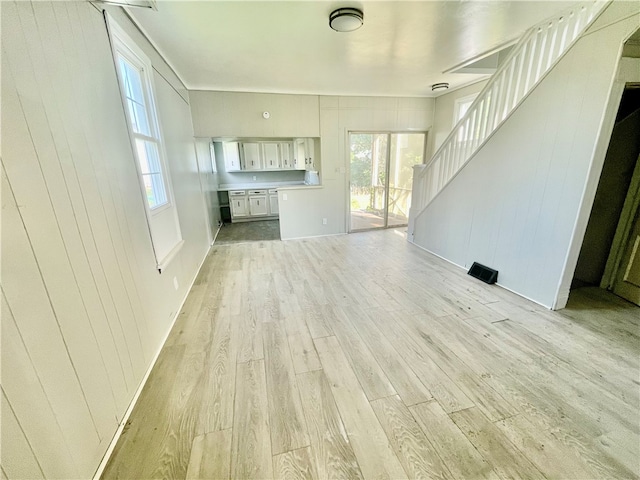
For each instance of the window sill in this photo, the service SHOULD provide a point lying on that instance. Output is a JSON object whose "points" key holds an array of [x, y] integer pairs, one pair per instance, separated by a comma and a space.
{"points": [[164, 263]]}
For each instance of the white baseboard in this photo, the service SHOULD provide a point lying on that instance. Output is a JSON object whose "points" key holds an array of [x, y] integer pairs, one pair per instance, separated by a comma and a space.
{"points": [[215, 237], [465, 269], [314, 236], [134, 400]]}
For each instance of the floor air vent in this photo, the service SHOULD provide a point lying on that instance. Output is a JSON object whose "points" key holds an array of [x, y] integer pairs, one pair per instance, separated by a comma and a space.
{"points": [[486, 274]]}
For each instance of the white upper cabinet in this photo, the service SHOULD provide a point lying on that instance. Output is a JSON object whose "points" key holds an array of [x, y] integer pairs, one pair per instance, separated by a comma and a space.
{"points": [[231, 153], [299, 154], [304, 154], [286, 159], [270, 156], [310, 153], [252, 160]]}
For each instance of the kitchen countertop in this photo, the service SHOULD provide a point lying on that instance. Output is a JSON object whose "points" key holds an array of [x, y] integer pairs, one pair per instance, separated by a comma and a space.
{"points": [[262, 186], [300, 186]]}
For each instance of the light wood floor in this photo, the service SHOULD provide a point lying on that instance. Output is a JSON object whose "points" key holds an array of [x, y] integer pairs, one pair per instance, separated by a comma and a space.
{"points": [[361, 356]]}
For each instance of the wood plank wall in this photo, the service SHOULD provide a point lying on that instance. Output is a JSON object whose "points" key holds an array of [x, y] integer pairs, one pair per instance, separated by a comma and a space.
{"points": [[516, 205], [84, 310]]}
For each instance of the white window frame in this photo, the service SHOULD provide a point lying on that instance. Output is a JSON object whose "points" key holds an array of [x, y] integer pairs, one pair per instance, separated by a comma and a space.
{"points": [[123, 44], [458, 106], [459, 103]]}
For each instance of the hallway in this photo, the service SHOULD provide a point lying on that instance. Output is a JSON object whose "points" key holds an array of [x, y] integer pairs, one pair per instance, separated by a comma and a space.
{"points": [[362, 356]]}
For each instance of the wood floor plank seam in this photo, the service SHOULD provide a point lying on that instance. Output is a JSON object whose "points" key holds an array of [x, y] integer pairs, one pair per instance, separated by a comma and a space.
{"points": [[363, 386], [331, 411], [283, 371], [435, 388], [439, 351], [469, 461], [401, 379]]}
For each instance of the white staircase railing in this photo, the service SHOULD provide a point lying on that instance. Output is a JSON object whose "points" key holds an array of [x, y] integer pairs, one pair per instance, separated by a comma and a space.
{"points": [[540, 48]]}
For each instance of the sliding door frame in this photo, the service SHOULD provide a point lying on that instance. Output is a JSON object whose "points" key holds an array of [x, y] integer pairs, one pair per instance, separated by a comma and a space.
{"points": [[387, 175]]}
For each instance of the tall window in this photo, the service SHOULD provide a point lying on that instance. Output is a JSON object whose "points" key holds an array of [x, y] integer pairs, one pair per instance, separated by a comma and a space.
{"points": [[135, 75], [142, 124]]}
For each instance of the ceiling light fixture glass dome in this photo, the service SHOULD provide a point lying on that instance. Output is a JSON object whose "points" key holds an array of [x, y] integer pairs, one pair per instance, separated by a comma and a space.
{"points": [[346, 19]]}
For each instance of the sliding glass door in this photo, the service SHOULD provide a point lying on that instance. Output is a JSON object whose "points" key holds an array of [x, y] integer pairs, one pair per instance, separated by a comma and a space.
{"points": [[381, 168]]}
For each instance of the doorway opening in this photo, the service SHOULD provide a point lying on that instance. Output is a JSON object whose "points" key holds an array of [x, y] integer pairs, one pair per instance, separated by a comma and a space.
{"points": [[610, 253], [381, 176]]}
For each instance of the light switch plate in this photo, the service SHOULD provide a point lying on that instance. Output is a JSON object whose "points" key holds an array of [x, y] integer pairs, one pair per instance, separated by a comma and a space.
{"points": [[284, 196]]}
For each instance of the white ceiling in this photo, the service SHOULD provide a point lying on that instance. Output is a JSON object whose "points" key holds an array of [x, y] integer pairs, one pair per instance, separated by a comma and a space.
{"points": [[288, 47]]}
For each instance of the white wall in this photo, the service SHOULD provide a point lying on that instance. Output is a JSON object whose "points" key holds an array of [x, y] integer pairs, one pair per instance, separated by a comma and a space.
{"points": [[209, 180], [301, 215], [84, 310], [515, 206], [444, 111], [220, 114], [239, 114]]}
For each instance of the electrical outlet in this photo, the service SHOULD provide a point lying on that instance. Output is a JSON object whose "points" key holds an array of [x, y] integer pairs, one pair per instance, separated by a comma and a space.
{"points": [[175, 283], [284, 196], [255, 178], [324, 221]]}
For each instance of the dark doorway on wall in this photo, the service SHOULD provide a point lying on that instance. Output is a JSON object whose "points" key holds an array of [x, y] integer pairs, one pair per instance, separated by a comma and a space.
{"points": [[614, 197]]}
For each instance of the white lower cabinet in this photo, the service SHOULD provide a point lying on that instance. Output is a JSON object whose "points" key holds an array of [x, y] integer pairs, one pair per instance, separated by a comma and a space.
{"points": [[249, 205], [258, 204], [273, 202], [238, 203]]}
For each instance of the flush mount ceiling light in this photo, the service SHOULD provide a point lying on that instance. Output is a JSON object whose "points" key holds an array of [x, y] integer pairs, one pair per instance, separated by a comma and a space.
{"points": [[439, 86], [346, 19]]}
